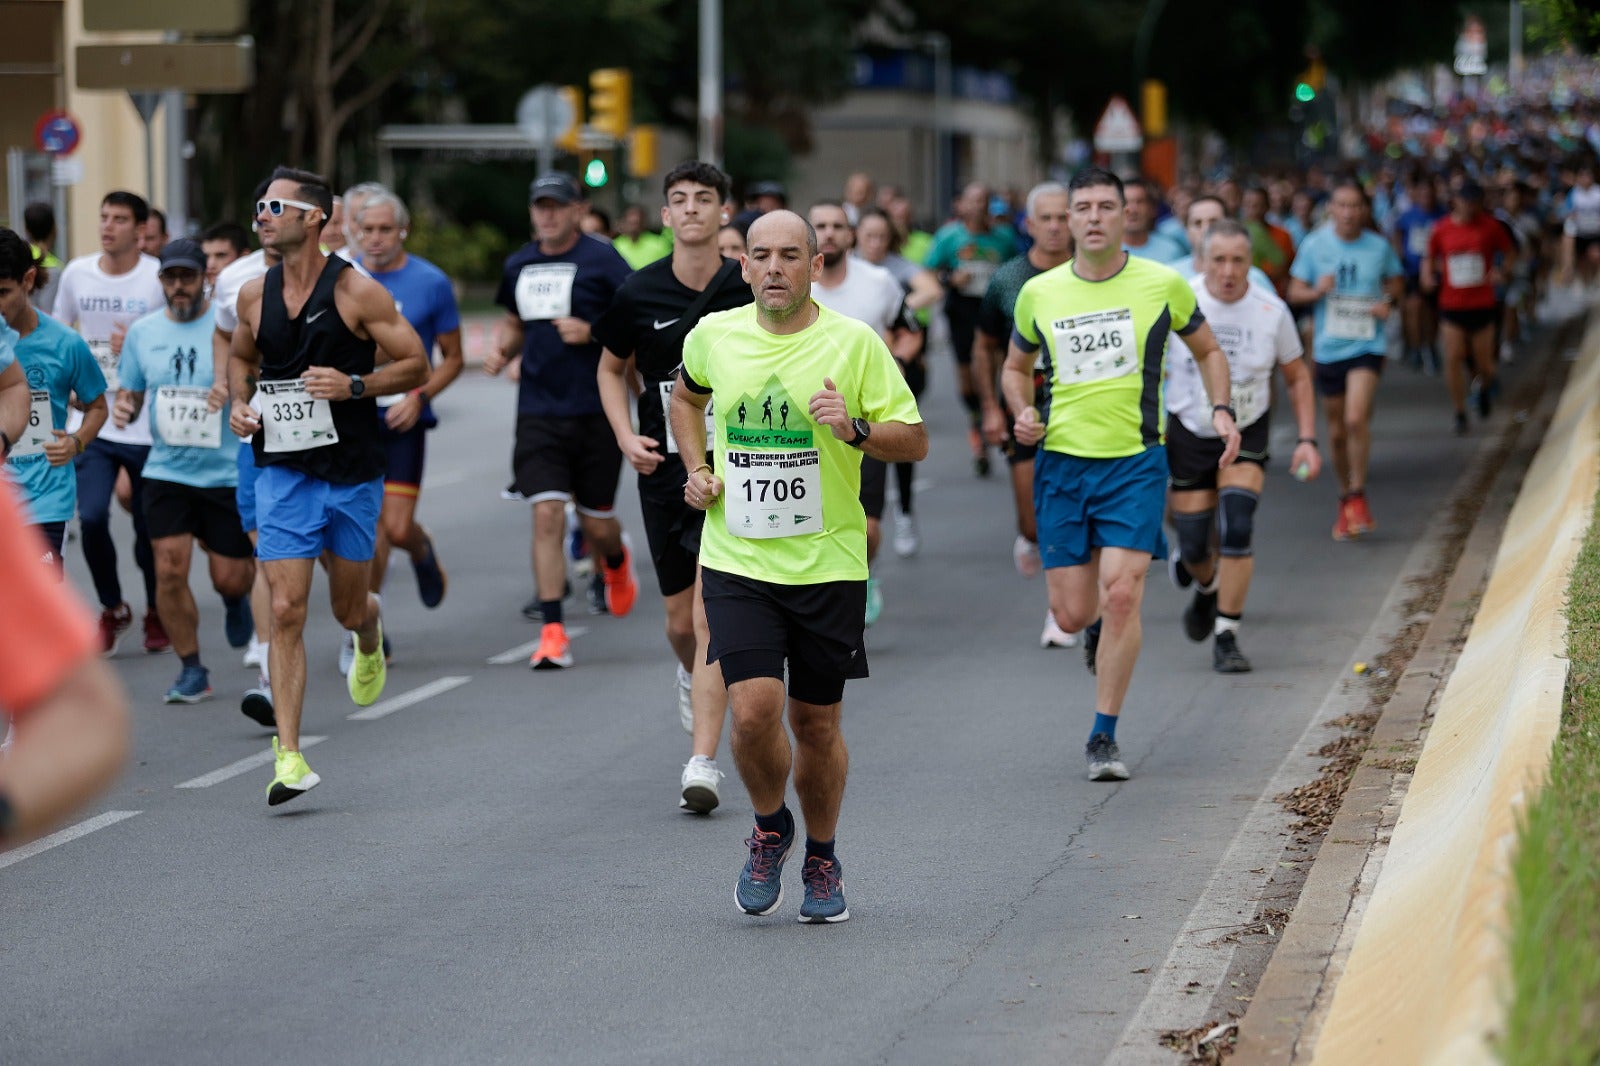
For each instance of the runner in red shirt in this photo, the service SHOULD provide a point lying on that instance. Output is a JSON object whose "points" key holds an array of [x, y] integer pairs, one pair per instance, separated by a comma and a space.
{"points": [[70, 713], [1468, 257]]}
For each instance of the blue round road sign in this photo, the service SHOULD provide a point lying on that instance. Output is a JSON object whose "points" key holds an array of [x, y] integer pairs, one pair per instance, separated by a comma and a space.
{"points": [[56, 133]]}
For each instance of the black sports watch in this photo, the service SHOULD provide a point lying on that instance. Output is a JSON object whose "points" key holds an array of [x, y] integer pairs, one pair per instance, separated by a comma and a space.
{"points": [[1225, 407], [358, 388], [863, 430], [7, 817], [5, 444]]}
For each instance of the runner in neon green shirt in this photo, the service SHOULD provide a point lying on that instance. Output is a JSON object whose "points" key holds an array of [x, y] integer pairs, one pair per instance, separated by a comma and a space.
{"points": [[1100, 480], [797, 394]]}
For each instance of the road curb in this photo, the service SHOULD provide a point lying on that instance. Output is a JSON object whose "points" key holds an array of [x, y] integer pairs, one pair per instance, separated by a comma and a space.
{"points": [[1291, 1001]]}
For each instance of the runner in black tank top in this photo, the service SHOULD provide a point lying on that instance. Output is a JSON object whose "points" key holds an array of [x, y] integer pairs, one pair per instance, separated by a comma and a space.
{"points": [[319, 337], [315, 500]]}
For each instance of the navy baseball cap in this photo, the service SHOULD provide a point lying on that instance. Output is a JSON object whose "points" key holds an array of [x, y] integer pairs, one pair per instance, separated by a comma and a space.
{"points": [[555, 186], [183, 252]]}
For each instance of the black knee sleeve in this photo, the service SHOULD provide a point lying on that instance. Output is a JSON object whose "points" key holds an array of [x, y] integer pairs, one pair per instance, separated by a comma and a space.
{"points": [[1194, 535], [1237, 526]]}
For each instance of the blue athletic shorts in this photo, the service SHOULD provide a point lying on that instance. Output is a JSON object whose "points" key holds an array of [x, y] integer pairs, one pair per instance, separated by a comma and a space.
{"points": [[297, 516], [1083, 504], [245, 494]]}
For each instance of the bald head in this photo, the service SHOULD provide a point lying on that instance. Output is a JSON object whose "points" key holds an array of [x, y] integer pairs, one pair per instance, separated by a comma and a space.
{"points": [[781, 228]]}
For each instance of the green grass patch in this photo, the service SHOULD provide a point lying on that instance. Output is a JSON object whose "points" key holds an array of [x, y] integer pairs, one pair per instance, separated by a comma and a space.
{"points": [[1553, 1018]]}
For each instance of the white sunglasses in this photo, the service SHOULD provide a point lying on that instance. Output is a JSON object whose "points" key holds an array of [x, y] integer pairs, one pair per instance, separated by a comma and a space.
{"points": [[275, 207]]}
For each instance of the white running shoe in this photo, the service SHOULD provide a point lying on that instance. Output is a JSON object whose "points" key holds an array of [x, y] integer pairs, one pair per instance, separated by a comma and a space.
{"points": [[906, 540], [1054, 636], [1025, 553], [254, 651], [700, 778], [686, 699], [347, 653]]}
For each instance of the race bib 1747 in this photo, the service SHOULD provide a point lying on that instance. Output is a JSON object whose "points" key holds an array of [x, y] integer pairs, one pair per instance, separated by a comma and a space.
{"points": [[183, 419], [37, 433]]}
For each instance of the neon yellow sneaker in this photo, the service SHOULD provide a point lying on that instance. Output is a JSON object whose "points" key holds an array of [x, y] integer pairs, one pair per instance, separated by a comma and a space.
{"points": [[293, 776], [368, 674]]}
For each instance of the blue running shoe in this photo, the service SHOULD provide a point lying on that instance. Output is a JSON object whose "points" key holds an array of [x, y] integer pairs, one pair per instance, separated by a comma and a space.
{"points": [[824, 902], [760, 890], [192, 686], [431, 580], [237, 623]]}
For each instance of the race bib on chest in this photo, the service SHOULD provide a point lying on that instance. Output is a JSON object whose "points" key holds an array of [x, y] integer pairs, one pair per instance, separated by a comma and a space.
{"points": [[979, 273], [1465, 270], [544, 291], [1250, 399], [769, 494], [291, 421], [1417, 240], [183, 420], [666, 414], [107, 362], [1350, 318], [1095, 347], [36, 434]]}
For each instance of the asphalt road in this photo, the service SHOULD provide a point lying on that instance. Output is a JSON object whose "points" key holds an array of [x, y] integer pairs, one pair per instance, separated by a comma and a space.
{"points": [[498, 871]]}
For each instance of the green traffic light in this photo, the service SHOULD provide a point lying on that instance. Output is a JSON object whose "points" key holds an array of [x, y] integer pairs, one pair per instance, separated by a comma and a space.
{"points": [[594, 175], [1304, 93]]}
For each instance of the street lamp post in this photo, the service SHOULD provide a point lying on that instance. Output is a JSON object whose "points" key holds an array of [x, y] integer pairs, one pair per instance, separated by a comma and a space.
{"points": [[939, 184], [711, 81]]}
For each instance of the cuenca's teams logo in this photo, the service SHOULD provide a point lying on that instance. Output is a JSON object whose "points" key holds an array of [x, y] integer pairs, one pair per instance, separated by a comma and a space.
{"points": [[37, 378], [769, 419]]}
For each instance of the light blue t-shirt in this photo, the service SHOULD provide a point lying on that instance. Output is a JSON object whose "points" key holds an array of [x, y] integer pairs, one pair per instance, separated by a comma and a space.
{"points": [[58, 361], [157, 352], [1161, 248], [1172, 228], [8, 345], [1345, 327], [423, 294]]}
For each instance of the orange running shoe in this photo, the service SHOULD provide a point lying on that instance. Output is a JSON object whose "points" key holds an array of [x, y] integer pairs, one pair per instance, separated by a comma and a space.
{"points": [[1360, 517], [1341, 526], [621, 587], [554, 651]]}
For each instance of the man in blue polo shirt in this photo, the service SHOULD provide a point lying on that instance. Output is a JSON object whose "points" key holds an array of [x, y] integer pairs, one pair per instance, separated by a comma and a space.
{"points": [[423, 295], [193, 466], [56, 363]]}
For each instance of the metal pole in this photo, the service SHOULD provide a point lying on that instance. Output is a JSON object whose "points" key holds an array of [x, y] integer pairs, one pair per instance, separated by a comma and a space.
{"points": [[943, 176], [1516, 45], [177, 164], [547, 148], [710, 148]]}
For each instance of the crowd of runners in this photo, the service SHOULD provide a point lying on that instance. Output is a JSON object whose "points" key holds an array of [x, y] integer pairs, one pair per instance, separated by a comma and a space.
{"points": [[1118, 345]]}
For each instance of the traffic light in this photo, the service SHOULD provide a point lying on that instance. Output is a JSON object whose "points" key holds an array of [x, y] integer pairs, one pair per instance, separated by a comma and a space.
{"points": [[611, 101], [595, 174], [1304, 92], [567, 140], [1312, 81], [643, 151]]}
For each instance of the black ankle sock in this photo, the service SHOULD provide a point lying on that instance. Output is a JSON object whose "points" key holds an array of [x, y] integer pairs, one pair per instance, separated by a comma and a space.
{"points": [[551, 610], [779, 821], [614, 561], [1093, 628], [819, 849], [190, 660]]}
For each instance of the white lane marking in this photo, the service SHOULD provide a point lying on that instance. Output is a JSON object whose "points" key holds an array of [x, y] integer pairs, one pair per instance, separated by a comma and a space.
{"points": [[234, 769], [70, 833], [407, 699], [520, 653]]}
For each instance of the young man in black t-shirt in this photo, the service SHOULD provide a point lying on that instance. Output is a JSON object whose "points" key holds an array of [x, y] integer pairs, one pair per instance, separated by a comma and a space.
{"points": [[643, 331]]}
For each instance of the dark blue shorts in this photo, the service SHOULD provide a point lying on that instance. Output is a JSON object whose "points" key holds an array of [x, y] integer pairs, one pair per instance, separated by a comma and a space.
{"points": [[404, 455], [245, 494], [297, 516], [1083, 504]]}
